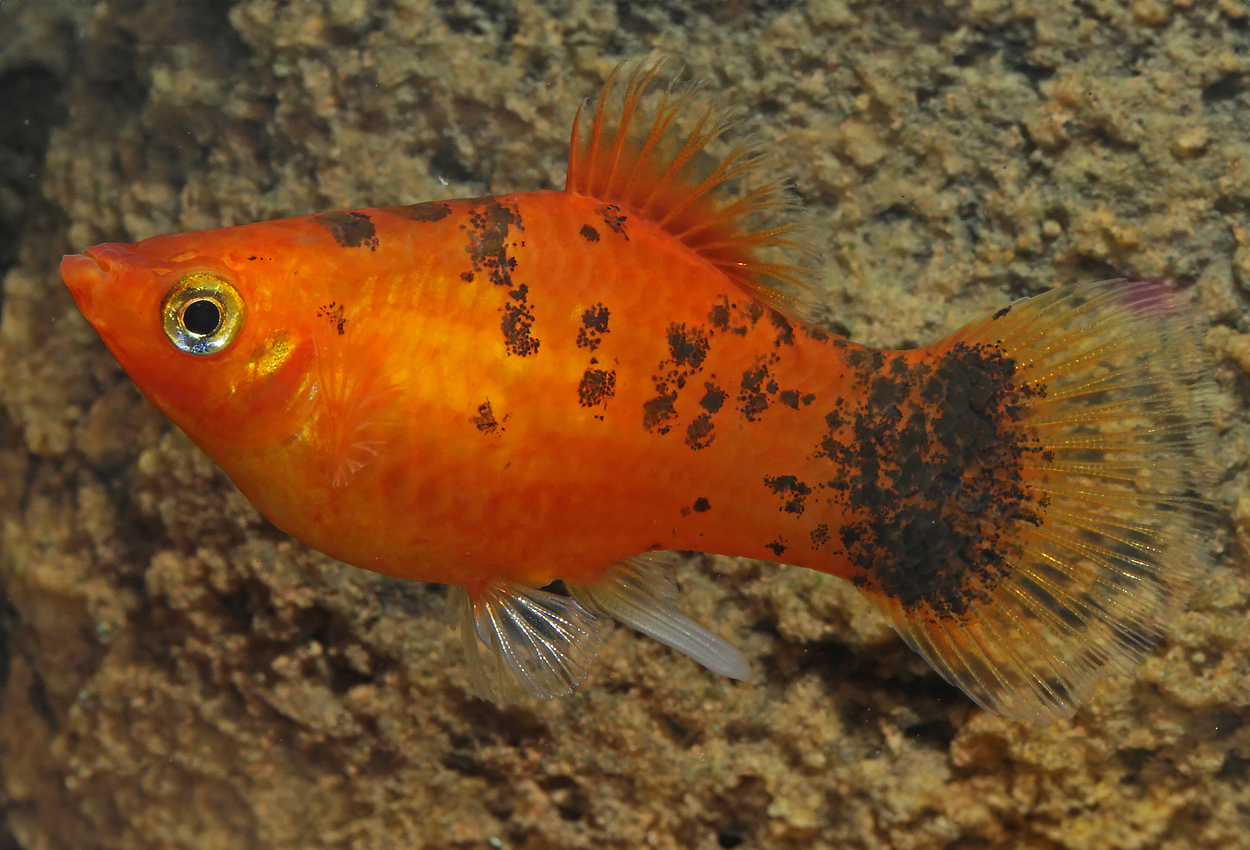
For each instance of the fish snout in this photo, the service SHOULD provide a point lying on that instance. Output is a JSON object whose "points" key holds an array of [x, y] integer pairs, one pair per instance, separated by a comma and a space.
{"points": [[84, 276], [95, 277]]}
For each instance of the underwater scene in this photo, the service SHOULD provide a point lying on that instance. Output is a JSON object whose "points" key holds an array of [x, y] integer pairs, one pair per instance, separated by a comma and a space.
{"points": [[543, 424]]}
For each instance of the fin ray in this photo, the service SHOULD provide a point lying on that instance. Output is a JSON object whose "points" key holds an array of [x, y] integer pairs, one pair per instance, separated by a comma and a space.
{"points": [[354, 397], [636, 154], [520, 637], [639, 593]]}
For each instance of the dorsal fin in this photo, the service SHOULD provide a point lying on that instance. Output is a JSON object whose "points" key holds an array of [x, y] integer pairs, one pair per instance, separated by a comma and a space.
{"points": [[636, 154]]}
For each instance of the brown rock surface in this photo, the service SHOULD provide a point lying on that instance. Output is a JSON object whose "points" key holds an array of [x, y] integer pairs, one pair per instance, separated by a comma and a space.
{"points": [[177, 673]]}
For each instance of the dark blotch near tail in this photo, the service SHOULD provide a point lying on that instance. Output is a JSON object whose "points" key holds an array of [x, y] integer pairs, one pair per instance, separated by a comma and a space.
{"points": [[350, 229], [934, 470]]}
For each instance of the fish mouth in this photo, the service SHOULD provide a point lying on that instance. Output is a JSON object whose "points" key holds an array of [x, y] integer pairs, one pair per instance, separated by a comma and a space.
{"points": [[85, 278]]}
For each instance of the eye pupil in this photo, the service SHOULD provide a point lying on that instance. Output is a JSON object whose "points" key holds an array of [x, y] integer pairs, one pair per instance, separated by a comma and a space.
{"points": [[202, 317]]}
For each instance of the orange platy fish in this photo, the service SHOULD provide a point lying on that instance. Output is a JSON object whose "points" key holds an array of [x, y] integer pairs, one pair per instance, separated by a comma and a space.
{"points": [[494, 393]]}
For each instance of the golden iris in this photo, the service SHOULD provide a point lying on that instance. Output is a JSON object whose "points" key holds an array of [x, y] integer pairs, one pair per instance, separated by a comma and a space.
{"points": [[202, 314]]}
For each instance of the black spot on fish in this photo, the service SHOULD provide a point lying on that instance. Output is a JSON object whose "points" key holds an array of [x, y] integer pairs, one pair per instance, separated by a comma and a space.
{"points": [[334, 313], [754, 400], [778, 546], [596, 319], [701, 505], [657, 412], [596, 387], [594, 325], [613, 218], [485, 420], [728, 316], [467, 277], [785, 332], [713, 397], [488, 241], [700, 433], [489, 233], [868, 360], [1003, 312], [589, 233], [793, 492], [718, 317], [350, 229], [758, 389], [687, 347], [430, 211], [820, 535], [517, 320]]}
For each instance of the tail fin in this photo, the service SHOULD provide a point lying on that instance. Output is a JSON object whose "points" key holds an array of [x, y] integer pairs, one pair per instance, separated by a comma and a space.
{"points": [[1112, 405]]}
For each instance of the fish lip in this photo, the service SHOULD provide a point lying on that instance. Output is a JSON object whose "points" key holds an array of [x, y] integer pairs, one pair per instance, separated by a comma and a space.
{"points": [[83, 274]]}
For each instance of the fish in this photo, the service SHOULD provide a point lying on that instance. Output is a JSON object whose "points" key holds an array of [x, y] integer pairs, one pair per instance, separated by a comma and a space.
{"points": [[534, 397]]}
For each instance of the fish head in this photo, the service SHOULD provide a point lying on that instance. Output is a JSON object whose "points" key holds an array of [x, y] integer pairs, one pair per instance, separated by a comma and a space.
{"points": [[202, 332]]}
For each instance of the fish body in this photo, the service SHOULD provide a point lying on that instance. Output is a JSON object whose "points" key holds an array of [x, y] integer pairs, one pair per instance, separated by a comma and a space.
{"points": [[497, 392], [443, 343]]}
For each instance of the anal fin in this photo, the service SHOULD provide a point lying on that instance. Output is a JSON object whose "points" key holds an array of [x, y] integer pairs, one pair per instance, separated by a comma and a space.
{"points": [[520, 637], [639, 593]]}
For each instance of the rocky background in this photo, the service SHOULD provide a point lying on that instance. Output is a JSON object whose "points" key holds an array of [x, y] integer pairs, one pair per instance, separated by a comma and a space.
{"points": [[175, 673]]}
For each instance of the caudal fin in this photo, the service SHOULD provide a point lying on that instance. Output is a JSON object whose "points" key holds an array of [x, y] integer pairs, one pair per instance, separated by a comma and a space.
{"points": [[1090, 534]]}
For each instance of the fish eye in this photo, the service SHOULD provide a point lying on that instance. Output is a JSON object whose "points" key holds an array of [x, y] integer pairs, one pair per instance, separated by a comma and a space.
{"points": [[202, 314]]}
